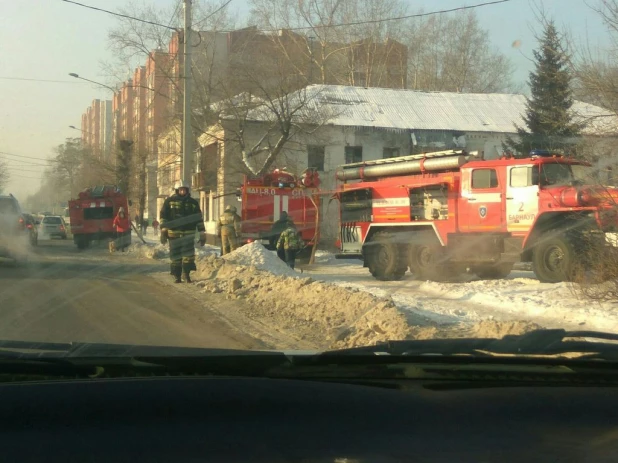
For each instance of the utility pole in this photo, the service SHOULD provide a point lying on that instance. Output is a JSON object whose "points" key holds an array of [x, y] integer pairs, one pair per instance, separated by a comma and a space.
{"points": [[187, 135]]}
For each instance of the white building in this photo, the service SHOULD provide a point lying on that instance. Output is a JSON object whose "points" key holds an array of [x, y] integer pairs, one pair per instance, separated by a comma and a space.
{"points": [[374, 123]]}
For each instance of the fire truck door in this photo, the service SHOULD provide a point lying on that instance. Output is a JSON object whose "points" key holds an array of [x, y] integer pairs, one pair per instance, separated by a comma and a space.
{"points": [[481, 200], [522, 198]]}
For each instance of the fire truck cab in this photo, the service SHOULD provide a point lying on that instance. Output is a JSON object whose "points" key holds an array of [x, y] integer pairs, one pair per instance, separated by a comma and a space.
{"points": [[264, 198], [444, 213]]}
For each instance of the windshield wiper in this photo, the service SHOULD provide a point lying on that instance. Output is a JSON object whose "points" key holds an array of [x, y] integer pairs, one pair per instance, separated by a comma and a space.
{"points": [[546, 342]]}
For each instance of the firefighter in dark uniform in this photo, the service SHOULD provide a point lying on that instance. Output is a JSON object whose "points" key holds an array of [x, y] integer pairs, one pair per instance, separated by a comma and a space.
{"points": [[229, 229], [180, 217]]}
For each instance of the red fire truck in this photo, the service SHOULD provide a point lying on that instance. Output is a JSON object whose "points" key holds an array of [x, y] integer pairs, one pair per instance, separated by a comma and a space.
{"points": [[440, 214], [93, 212], [264, 198]]}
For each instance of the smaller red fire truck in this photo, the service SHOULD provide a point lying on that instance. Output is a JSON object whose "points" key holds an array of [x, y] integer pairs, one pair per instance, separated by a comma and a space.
{"points": [[444, 213], [264, 198], [93, 212]]}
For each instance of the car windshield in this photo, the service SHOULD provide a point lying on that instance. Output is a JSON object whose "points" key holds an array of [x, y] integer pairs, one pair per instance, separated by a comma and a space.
{"points": [[306, 175]]}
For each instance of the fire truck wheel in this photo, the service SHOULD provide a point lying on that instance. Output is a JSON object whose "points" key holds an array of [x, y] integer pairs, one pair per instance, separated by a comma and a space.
{"points": [[553, 260], [426, 261], [81, 242], [384, 258], [493, 272]]}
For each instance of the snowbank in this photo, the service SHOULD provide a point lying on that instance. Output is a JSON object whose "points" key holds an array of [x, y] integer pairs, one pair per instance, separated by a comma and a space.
{"points": [[156, 250], [256, 255], [519, 297], [325, 315]]}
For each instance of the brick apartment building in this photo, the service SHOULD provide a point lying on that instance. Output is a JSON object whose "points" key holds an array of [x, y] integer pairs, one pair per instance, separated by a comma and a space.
{"points": [[147, 108]]}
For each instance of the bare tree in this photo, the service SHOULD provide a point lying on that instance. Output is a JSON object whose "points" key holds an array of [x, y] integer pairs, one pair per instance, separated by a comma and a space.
{"points": [[274, 112], [452, 53], [326, 53], [68, 163]]}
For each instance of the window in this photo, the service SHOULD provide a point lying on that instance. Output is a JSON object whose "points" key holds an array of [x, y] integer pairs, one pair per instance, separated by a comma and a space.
{"points": [[484, 178], [52, 220], [95, 213], [521, 176], [315, 157], [353, 154], [390, 153]]}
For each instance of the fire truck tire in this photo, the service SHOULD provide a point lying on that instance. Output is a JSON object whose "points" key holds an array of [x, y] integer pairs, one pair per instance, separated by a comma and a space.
{"points": [[385, 258], [493, 272], [426, 260], [82, 242], [553, 259]]}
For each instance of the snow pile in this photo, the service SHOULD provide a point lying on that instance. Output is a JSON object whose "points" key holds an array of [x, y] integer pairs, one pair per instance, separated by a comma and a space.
{"points": [[324, 315], [320, 314], [256, 255], [152, 250]]}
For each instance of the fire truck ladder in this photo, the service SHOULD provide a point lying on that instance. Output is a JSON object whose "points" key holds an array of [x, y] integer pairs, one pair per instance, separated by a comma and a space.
{"points": [[405, 165]]}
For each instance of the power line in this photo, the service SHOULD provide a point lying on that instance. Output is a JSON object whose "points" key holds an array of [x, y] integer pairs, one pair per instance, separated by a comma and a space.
{"points": [[25, 157], [398, 18], [24, 176], [212, 14], [25, 170], [41, 80], [23, 163], [175, 12], [120, 14]]}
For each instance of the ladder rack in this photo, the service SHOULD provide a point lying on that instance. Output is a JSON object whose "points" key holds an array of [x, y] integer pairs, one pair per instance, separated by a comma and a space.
{"points": [[411, 157]]}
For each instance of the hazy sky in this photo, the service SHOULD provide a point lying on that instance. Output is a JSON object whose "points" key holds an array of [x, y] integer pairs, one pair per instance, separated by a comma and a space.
{"points": [[47, 39]]}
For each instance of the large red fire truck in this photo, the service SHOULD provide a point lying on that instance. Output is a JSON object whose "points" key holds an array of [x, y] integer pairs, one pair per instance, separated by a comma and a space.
{"points": [[93, 212], [443, 213], [264, 198]]}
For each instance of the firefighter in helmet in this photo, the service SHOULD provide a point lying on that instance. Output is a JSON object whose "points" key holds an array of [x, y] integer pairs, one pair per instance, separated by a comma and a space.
{"points": [[180, 217], [228, 228]]}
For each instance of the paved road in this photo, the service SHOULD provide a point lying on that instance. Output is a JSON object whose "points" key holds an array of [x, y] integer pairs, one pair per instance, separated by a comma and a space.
{"points": [[90, 296]]}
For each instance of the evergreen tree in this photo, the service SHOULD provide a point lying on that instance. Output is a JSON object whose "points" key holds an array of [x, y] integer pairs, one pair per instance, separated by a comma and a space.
{"points": [[548, 119]]}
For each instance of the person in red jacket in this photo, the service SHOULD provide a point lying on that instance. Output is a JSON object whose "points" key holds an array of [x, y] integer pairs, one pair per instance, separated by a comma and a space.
{"points": [[122, 226]]}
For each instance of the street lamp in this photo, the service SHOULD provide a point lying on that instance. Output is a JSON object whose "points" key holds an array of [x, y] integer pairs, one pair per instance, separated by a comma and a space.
{"points": [[75, 128], [77, 76]]}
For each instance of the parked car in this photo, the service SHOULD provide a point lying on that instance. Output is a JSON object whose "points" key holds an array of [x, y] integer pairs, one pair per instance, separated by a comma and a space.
{"points": [[14, 234], [53, 226], [32, 224]]}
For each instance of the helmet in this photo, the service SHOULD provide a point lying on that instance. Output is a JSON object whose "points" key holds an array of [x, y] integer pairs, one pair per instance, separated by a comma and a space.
{"points": [[284, 215], [230, 209], [181, 184]]}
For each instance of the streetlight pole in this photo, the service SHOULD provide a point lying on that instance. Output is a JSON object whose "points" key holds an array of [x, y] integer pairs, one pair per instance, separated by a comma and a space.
{"points": [[187, 136], [77, 76]]}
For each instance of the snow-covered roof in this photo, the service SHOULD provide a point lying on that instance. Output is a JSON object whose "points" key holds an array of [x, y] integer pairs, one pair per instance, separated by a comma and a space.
{"points": [[411, 109]]}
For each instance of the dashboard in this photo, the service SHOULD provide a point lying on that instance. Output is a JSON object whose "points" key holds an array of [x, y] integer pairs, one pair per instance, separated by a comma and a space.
{"points": [[191, 419]]}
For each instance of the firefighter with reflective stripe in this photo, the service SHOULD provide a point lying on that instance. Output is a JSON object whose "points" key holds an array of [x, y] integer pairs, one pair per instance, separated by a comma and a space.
{"points": [[228, 228], [289, 243], [180, 217]]}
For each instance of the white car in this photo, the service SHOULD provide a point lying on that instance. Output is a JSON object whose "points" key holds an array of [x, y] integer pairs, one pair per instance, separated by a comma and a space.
{"points": [[53, 225]]}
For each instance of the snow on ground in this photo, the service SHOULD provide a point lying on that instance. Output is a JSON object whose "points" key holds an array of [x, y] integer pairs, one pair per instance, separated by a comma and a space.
{"points": [[519, 297], [469, 302], [153, 249], [256, 255]]}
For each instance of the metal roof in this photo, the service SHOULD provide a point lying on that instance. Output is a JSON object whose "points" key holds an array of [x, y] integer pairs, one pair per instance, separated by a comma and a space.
{"points": [[410, 109]]}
